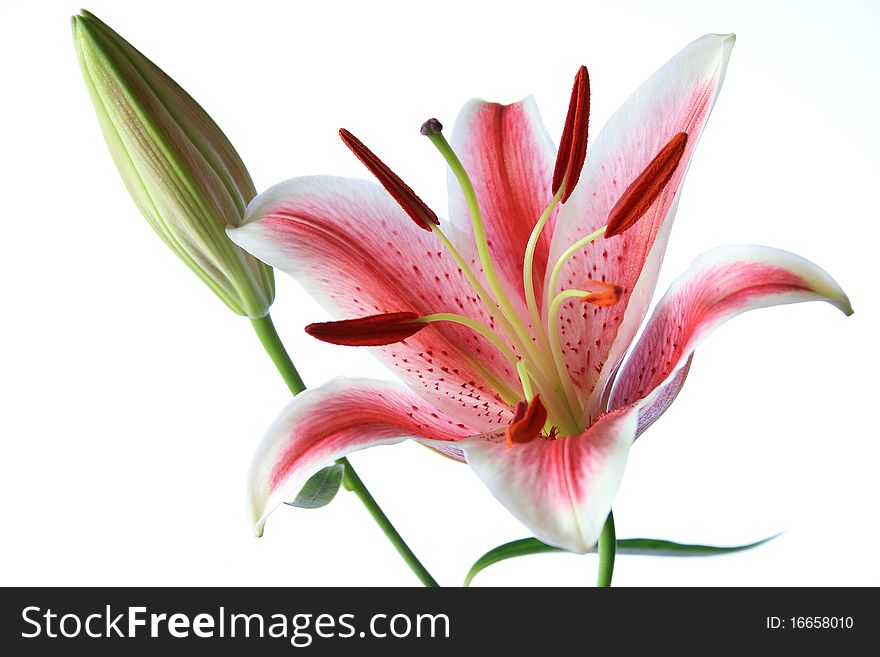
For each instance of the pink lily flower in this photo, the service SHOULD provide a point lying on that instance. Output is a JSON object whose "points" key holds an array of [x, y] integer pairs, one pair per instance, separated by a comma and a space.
{"points": [[510, 323]]}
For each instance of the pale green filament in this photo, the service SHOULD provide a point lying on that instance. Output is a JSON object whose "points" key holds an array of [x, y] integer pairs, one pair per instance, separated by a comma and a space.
{"points": [[480, 240], [529, 265], [522, 369], [493, 309], [550, 393], [556, 343], [541, 367], [507, 393], [570, 251], [475, 326], [551, 401]]}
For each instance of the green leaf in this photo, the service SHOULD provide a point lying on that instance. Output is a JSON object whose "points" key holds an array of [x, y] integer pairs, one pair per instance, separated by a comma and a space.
{"points": [[640, 546], [510, 550], [321, 488], [655, 547]]}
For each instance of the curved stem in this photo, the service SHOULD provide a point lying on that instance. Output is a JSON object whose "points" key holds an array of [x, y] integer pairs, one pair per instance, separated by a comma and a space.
{"points": [[607, 549], [353, 483], [265, 330], [272, 344]]}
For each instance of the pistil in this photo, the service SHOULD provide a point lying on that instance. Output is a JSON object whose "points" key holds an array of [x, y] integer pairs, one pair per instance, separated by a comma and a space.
{"points": [[393, 327], [475, 326], [432, 129]]}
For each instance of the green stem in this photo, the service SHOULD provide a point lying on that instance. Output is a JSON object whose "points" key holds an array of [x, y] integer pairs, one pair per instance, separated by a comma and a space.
{"points": [[607, 550], [353, 483], [265, 330], [272, 343]]}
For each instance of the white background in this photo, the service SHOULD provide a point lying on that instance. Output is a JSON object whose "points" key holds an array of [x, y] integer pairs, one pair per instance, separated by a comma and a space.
{"points": [[132, 399]]}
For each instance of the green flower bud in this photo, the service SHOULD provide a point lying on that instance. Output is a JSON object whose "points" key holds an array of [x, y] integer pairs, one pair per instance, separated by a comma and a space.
{"points": [[180, 169]]}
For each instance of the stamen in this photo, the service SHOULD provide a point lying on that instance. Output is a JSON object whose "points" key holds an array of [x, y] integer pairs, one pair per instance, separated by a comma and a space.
{"points": [[527, 422], [520, 365], [602, 294], [519, 411], [475, 326], [573, 144], [372, 331], [482, 293], [415, 207], [556, 349], [541, 368], [556, 404], [570, 251], [501, 320], [522, 369], [529, 266], [640, 195]]}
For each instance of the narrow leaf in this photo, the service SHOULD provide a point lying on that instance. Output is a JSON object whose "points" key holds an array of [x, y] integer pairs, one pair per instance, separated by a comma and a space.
{"points": [[639, 546], [510, 550], [656, 547], [321, 488]]}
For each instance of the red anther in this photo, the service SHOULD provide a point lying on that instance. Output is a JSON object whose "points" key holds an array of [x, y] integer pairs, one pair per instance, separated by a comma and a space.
{"points": [[372, 331], [601, 293], [519, 411], [527, 422], [415, 207], [573, 144], [644, 190]]}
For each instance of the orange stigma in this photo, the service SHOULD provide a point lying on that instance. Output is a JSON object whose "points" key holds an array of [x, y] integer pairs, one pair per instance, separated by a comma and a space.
{"points": [[601, 294]]}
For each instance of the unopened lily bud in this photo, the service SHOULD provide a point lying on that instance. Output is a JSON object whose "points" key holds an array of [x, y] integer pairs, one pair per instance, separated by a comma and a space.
{"points": [[180, 169]]}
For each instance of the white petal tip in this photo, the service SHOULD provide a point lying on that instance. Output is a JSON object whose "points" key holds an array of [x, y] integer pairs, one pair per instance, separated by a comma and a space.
{"points": [[724, 39], [258, 529], [838, 298], [831, 291]]}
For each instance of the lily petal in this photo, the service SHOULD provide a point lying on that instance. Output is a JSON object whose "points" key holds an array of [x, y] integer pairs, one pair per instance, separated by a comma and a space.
{"points": [[719, 285], [509, 158], [323, 424], [350, 245], [677, 98], [561, 489]]}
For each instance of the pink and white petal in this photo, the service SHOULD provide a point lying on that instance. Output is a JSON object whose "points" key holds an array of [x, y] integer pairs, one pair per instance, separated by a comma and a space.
{"points": [[677, 98], [509, 157], [560, 489], [719, 285], [323, 424], [350, 245], [655, 404]]}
